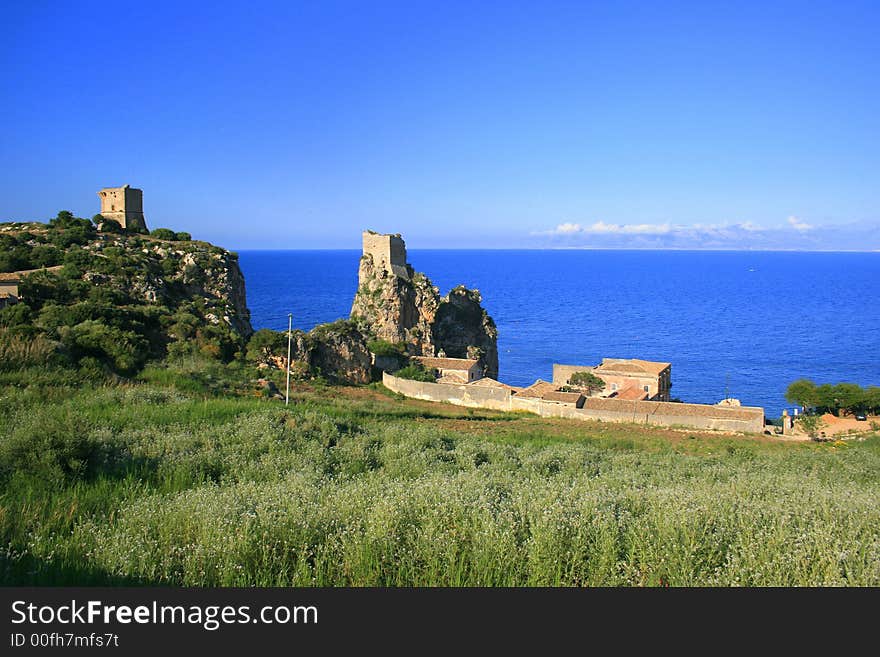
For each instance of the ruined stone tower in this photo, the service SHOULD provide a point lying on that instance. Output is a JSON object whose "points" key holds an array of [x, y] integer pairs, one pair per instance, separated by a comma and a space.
{"points": [[124, 204], [388, 253]]}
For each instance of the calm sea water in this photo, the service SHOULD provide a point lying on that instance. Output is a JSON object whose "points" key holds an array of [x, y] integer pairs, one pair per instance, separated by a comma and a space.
{"points": [[743, 323]]}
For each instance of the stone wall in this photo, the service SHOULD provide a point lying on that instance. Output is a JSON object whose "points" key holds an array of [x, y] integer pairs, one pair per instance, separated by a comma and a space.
{"points": [[697, 416], [461, 395]]}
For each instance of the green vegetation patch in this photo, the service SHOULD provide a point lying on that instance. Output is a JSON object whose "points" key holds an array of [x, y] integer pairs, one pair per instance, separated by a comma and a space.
{"points": [[165, 482]]}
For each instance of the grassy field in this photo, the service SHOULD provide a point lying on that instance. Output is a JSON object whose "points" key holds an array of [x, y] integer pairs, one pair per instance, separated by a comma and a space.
{"points": [[178, 480]]}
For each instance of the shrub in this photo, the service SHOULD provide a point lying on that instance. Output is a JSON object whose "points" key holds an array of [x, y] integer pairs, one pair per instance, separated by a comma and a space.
{"points": [[182, 236], [385, 348], [416, 372], [266, 343], [164, 234], [812, 424], [110, 226], [50, 448], [20, 351], [123, 351]]}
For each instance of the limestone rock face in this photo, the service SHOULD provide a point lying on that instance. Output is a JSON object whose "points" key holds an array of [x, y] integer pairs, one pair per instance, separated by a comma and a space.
{"points": [[398, 304], [210, 273], [463, 329], [337, 351], [395, 308], [341, 352]]}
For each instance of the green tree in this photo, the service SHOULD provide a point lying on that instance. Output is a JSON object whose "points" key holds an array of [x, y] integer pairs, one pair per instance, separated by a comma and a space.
{"points": [[45, 255], [849, 396], [182, 236], [587, 380], [872, 399], [266, 343], [802, 392], [63, 219], [825, 400]]}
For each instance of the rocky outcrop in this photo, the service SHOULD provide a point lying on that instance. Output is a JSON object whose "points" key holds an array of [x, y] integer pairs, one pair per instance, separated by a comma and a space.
{"points": [[145, 296], [395, 308], [397, 304], [203, 271], [336, 351], [463, 329], [340, 352]]}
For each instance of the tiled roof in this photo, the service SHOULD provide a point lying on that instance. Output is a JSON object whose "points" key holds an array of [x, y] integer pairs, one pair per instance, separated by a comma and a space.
{"points": [[631, 392], [453, 377], [446, 363], [13, 277], [487, 382], [651, 366], [634, 366], [538, 389], [564, 397]]}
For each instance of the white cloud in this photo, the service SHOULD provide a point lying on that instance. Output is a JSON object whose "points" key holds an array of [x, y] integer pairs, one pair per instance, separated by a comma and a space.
{"points": [[566, 229], [793, 234], [799, 225], [601, 228]]}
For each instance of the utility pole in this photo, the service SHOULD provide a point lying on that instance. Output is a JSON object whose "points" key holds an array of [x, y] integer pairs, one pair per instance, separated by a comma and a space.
{"points": [[289, 337]]}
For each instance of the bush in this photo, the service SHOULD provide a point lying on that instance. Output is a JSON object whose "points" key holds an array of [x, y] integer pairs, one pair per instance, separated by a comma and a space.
{"points": [[164, 234], [20, 351], [416, 372], [182, 236], [111, 226], [266, 343], [385, 348], [123, 351], [812, 424], [52, 448]]}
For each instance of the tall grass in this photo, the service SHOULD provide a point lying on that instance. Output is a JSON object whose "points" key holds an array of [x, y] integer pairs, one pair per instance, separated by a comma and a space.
{"points": [[153, 484]]}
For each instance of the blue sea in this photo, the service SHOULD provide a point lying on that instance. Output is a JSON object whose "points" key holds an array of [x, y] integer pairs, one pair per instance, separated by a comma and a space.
{"points": [[743, 324]]}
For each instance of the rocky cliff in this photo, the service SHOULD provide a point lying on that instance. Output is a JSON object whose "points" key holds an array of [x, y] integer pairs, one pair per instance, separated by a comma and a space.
{"points": [[123, 298], [400, 305]]}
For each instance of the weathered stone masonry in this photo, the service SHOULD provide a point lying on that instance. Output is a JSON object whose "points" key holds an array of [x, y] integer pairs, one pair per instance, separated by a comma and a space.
{"points": [[697, 416]]}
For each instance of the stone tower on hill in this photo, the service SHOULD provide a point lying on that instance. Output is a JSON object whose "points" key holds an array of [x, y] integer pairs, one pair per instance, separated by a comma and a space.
{"points": [[399, 305], [388, 252], [124, 204]]}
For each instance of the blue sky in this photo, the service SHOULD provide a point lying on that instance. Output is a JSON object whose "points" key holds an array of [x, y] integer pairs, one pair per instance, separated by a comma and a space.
{"points": [[459, 124]]}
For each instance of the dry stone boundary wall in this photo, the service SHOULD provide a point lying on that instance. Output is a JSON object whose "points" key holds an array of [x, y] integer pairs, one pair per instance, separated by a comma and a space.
{"points": [[698, 416]]}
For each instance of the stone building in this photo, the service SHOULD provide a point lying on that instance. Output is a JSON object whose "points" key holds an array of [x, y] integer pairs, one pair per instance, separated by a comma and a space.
{"points": [[124, 204], [9, 289], [388, 253], [625, 378], [452, 370]]}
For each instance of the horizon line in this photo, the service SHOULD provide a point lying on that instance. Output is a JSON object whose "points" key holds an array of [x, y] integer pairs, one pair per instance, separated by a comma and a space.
{"points": [[574, 248]]}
